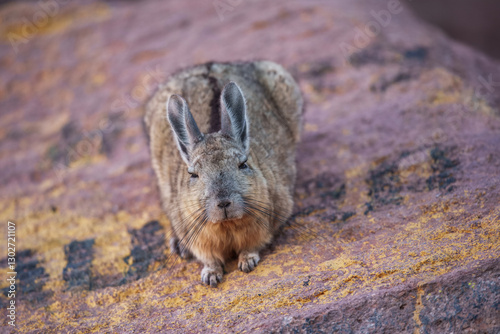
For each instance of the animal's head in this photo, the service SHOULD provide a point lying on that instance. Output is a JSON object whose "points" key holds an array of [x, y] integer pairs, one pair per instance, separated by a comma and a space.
{"points": [[223, 178]]}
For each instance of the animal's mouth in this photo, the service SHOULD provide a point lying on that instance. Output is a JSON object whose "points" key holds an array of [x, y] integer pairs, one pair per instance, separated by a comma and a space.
{"points": [[224, 212], [229, 220]]}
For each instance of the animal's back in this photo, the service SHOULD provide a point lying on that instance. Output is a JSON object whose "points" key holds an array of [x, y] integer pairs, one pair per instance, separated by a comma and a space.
{"points": [[274, 109]]}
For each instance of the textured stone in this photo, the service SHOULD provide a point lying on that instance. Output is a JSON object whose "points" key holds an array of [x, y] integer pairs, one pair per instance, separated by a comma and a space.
{"points": [[397, 217]]}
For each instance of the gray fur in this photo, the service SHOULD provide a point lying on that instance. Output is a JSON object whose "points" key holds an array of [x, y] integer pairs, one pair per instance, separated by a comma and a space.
{"points": [[261, 118], [183, 125], [234, 120]]}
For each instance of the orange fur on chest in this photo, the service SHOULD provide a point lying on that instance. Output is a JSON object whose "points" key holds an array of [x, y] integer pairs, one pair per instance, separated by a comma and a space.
{"points": [[225, 239]]}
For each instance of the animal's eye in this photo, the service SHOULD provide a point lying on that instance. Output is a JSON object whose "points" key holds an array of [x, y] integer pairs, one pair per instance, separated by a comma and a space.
{"points": [[243, 165], [193, 175]]}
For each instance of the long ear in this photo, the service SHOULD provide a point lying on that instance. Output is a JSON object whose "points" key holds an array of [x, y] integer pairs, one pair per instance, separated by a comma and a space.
{"points": [[186, 131], [234, 121]]}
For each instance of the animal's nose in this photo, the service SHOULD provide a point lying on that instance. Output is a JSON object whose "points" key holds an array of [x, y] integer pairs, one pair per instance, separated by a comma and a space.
{"points": [[224, 204]]}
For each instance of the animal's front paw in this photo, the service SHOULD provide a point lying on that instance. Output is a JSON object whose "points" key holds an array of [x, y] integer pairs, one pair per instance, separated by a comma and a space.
{"points": [[211, 276], [248, 261], [183, 252]]}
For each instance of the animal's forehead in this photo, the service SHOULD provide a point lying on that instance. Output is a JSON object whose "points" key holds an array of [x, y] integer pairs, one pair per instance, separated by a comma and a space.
{"points": [[216, 149]]}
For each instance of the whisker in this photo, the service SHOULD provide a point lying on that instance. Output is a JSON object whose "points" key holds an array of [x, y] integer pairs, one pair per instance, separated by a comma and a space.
{"points": [[197, 232], [197, 214], [259, 220], [263, 208], [291, 250]]}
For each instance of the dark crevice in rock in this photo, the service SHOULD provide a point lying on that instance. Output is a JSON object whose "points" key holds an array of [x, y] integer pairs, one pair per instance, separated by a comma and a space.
{"points": [[31, 278], [386, 184], [148, 246], [324, 192], [111, 129], [376, 54], [78, 270], [383, 84], [419, 53], [443, 168]]}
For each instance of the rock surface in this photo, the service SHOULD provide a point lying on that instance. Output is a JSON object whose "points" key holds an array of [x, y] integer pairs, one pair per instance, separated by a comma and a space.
{"points": [[397, 224]]}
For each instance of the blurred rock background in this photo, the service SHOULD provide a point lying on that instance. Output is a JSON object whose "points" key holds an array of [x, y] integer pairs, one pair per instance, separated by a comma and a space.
{"points": [[475, 23]]}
